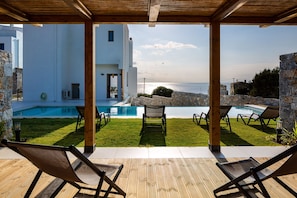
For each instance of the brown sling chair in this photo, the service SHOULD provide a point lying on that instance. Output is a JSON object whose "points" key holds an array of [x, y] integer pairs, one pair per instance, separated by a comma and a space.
{"points": [[54, 161], [250, 172]]}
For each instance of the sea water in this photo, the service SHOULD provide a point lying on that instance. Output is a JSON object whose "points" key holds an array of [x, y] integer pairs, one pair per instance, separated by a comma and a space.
{"points": [[148, 87]]}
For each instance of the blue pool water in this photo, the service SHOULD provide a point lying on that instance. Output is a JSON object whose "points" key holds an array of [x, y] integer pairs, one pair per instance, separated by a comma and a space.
{"points": [[70, 111], [124, 111]]}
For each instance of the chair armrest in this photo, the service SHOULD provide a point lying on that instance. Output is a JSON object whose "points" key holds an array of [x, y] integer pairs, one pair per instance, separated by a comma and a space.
{"points": [[203, 115]]}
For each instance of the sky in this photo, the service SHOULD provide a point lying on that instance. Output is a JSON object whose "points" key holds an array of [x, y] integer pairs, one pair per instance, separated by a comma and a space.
{"points": [[180, 53]]}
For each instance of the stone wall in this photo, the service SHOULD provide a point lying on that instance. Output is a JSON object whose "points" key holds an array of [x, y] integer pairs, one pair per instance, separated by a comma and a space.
{"points": [[17, 80], [155, 100], [240, 100], [191, 99], [288, 89], [6, 92]]}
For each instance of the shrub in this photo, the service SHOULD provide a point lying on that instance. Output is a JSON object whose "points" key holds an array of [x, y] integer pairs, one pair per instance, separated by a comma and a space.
{"points": [[2, 127], [144, 95], [162, 91], [266, 84], [289, 137]]}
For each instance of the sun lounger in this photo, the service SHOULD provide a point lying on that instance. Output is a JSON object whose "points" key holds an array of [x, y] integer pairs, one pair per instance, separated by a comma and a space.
{"points": [[270, 113], [224, 110], [154, 116], [99, 117]]}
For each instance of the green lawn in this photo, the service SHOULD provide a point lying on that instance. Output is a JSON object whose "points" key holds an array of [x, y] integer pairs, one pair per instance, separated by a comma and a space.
{"points": [[125, 133]]}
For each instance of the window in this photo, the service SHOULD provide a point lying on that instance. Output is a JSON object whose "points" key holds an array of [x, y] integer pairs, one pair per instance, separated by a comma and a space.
{"points": [[110, 36], [1, 46]]}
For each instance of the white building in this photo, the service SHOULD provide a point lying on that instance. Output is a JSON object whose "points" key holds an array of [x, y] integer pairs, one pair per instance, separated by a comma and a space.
{"points": [[11, 40], [54, 63]]}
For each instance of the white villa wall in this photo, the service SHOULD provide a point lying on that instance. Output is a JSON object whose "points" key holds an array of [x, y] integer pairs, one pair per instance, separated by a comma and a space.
{"points": [[18, 50], [7, 40], [56, 62], [126, 60], [40, 63], [132, 74], [12, 37], [71, 57], [132, 81], [109, 52], [54, 59]]}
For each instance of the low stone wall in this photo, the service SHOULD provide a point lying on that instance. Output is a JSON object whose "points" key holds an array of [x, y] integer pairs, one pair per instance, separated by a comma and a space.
{"points": [[240, 100], [191, 99], [155, 100], [6, 92]]}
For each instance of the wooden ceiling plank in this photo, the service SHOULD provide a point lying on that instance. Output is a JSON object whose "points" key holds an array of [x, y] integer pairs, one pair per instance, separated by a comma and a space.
{"points": [[227, 9], [154, 9], [78, 6], [290, 14], [13, 12]]}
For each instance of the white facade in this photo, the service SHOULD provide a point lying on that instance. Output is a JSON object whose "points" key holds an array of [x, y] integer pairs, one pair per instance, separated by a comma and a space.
{"points": [[54, 63], [11, 40]]}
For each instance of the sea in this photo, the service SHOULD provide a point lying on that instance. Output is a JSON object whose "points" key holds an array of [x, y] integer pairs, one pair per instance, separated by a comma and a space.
{"points": [[203, 88]]}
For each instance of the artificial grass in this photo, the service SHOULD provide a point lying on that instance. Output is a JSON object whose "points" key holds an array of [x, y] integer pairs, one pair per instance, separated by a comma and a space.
{"points": [[126, 133]]}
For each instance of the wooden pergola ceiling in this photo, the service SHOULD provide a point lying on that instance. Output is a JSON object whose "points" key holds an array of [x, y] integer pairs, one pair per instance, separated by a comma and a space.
{"points": [[254, 12]]}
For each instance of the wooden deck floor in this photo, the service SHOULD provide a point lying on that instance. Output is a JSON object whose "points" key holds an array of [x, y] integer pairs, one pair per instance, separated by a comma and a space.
{"points": [[141, 178]]}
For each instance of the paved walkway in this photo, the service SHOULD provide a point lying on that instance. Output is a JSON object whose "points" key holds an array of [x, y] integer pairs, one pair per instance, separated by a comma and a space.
{"points": [[171, 152]]}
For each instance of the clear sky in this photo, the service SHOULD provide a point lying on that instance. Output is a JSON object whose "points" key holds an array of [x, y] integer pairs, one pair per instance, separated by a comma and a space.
{"points": [[180, 53]]}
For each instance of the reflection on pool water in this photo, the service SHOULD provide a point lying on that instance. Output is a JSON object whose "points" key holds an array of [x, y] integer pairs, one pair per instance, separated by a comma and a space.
{"points": [[124, 111]]}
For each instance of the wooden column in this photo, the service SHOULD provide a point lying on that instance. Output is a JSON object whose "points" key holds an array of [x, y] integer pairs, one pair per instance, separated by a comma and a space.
{"points": [[214, 89], [90, 87]]}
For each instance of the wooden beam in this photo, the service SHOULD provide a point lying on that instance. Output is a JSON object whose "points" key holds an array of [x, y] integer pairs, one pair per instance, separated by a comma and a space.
{"points": [[13, 12], [142, 19], [227, 9], [90, 87], [214, 89], [153, 11], [82, 10], [289, 14]]}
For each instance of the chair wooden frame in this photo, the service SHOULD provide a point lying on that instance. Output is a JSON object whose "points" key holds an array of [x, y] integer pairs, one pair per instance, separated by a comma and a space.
{"points": [[224, 110], [99, 117], [54, 161], [250, 172], [154, 115], [269, 113]]}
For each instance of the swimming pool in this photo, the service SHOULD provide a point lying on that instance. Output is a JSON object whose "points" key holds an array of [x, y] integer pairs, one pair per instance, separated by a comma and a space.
{"points": [[122, 111]]}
